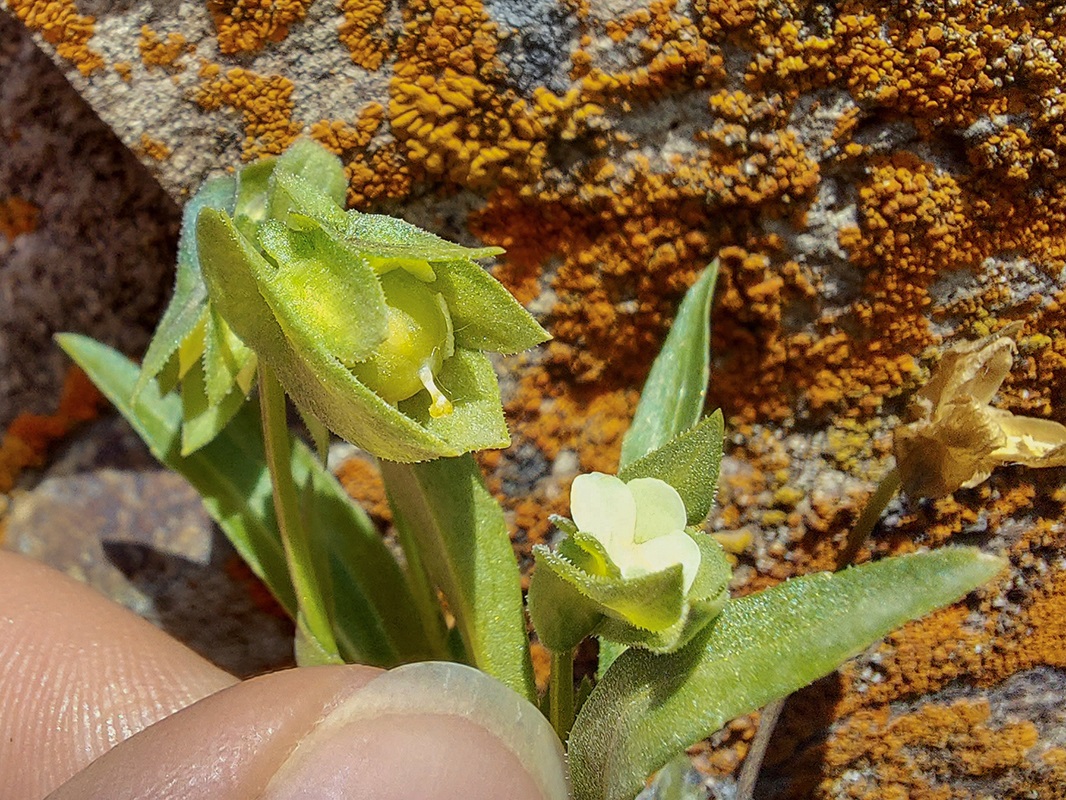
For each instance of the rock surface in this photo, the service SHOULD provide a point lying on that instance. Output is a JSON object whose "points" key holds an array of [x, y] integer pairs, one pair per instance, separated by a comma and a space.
{"points": [[875, 183]]}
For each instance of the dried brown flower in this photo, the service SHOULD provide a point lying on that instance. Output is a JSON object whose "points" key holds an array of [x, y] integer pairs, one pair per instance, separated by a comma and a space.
{"points": [[954, 439]]}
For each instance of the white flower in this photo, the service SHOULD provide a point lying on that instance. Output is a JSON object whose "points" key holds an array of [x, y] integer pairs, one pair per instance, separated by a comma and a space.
{"points": [[641, 524]]}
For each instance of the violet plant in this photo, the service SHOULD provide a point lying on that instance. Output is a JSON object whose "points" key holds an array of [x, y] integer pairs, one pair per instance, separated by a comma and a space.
{"points": [[376, 331]]}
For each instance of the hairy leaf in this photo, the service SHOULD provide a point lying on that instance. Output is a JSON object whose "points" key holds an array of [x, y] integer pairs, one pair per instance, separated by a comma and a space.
{"points": [[761, 647]]}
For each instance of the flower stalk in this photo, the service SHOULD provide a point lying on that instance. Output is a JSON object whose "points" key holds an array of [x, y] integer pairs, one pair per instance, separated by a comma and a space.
{"points": [[311, 605]]}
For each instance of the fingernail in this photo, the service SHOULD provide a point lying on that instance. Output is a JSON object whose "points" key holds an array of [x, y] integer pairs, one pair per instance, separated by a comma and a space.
{"points": [[433, 730]]}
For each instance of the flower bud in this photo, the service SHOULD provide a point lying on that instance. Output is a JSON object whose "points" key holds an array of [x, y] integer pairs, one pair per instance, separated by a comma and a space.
{"points": [[418, 341]]}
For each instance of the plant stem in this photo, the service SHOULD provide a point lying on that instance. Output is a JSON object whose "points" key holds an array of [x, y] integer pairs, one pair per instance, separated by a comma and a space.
{"points": [[294, 538], [875, 507], [425, 597], [561, 693], [857, 537]]}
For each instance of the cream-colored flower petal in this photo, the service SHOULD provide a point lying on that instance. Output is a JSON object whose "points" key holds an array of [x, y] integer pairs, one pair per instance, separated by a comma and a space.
{"points": [[1031, 441], [971, 370], [602, 505], [660, 509], [663, 552]]}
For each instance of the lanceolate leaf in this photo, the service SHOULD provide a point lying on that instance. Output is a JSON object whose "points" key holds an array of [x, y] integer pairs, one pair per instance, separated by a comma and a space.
{"points": [[672, 399], [760, 647], [375, 616], [689, 462], [462, 537], [235, 492]]}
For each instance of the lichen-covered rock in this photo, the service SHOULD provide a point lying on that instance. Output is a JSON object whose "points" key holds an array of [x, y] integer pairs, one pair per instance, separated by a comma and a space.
{"points": [[876, 182]]}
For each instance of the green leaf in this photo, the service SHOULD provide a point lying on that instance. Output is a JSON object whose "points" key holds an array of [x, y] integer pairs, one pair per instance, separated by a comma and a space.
{"points": [[187, 305], [235, 488], [316, 381], [309, 650], [672, 399], [689, 462], [486, 316], [375, 615], [760, 648], [460, 531]]}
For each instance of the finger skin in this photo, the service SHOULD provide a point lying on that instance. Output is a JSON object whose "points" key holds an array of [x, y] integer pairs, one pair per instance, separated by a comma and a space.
{"points": [[227, 746], [79, 674]]}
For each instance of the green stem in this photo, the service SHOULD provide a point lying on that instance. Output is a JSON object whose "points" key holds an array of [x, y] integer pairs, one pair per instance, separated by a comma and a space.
{"points": [[561, 693], [294, 538], [857, 537], [425, 597], [875, 507]]}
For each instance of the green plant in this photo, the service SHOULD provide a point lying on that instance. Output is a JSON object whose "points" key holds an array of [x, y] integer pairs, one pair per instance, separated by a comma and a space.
{"points": [[376, 331]]}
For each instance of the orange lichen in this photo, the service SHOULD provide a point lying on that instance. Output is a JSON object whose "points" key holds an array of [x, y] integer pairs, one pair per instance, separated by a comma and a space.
{"points": [[29, 436], [903, 756], [363, 31], [17, 217], [153, 148], [265, 103], [363, 483], [60, 24], [245, 26], [124, 70], [164, 53]]}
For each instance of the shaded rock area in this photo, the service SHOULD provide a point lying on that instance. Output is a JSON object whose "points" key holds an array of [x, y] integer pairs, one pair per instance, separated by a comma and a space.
{"points": [[87, 238], [877, 180], [105, 513]]}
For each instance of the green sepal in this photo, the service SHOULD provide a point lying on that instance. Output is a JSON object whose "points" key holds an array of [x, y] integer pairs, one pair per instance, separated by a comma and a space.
{"points": [[313, 377], [561, 615], [313, 163], [304, 173], [588, 554], [253, 196], [651, 602], [294, 198], [672, 399], [186, 307], [565, 524], [323, 293], [477, 419], [389, 237], [690, 463], [203, 421], [486, 316], [577, 591], [761, 647], [228, 362]]}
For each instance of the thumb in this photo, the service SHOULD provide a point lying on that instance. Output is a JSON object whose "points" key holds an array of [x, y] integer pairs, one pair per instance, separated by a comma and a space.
{"points": [[433, 730]]}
